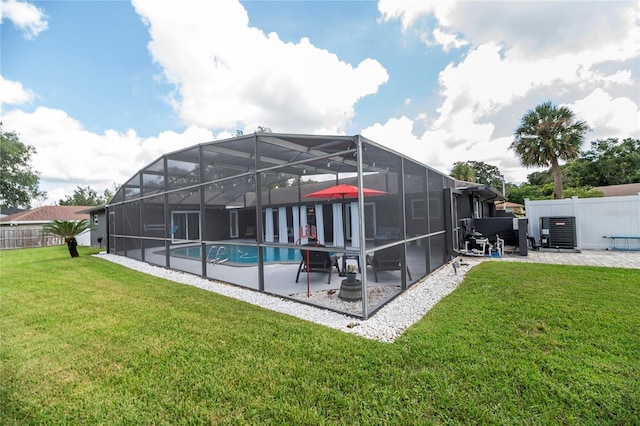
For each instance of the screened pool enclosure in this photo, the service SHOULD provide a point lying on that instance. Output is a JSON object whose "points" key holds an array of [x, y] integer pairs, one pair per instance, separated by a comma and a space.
{"points": [[243, 211]]}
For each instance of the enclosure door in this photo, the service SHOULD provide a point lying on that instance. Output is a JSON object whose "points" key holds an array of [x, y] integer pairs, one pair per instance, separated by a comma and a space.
{"points": [[185, 225]]}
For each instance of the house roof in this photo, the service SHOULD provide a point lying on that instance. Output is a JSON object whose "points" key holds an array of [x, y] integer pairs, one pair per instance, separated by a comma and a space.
{"points": [[46, 214], [509, 205], [480, 189], [93, 209], [619, 190]]}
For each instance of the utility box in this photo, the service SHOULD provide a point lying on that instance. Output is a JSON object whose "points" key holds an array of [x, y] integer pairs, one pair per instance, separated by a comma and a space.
{"points": [[521, 226], [558, 232]]}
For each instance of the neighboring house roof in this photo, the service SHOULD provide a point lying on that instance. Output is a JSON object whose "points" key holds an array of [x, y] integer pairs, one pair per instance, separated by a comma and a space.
{"points": [[502, 205], [46, 214], [619, 190]]}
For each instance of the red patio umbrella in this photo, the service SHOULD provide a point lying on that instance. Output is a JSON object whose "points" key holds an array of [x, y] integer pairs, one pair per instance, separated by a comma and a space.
{"points": [[343, 191]]}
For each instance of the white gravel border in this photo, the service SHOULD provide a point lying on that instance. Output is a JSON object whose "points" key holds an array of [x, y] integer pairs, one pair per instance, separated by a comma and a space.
{"points": [[385, 325]]}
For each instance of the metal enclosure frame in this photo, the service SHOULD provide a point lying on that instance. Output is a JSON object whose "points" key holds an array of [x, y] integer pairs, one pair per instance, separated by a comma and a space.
{"points": [[265, 175]]}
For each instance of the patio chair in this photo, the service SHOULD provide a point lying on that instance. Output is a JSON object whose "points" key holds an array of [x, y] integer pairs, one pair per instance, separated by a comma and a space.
{"points": [[389, 259], [318, 261]]}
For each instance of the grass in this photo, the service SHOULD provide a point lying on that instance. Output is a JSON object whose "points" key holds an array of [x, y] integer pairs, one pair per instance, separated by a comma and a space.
{"points": [[84, 341]]}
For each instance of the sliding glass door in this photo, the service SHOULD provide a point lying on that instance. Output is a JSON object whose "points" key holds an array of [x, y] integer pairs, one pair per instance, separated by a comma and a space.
{"points": [[185, 225]]}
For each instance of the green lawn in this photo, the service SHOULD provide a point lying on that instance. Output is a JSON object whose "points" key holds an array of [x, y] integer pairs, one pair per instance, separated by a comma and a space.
{"points": [[85, 341]]}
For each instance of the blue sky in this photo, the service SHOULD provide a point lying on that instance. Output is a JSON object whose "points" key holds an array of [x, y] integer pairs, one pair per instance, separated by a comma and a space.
{"points": [[102, 88]]}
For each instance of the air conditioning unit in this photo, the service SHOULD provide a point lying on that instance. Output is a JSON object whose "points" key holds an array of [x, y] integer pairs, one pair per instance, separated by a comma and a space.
{"points": [[558, 232]]}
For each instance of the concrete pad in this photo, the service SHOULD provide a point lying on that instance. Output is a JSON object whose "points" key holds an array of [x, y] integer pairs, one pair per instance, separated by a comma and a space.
{"points": [[607, 258]]}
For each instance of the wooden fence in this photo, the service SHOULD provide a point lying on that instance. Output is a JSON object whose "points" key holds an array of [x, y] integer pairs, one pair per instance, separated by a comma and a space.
{"points": [[15, 237]]}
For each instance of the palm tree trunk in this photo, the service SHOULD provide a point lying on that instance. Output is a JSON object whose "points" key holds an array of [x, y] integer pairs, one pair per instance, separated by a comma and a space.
{"points": [[72, 244], [557, 179]]}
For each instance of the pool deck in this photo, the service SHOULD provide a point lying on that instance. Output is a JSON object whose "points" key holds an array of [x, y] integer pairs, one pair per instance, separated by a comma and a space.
{"points": [[280, 278], [605, 258]]}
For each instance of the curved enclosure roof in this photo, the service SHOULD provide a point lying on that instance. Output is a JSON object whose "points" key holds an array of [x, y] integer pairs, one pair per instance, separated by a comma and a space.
{"points": [[308, 157], [239, 210]]}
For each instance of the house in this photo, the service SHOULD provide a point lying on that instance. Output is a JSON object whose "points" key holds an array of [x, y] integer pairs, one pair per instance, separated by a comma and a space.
{"points": [[98, 235], [477, 200], [506, 206], [24, 229], [477, 210]]}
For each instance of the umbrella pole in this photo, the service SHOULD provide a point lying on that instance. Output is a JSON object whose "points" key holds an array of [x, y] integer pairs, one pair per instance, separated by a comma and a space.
{"points": [[308, 277], [344, 236], [344, 223]]}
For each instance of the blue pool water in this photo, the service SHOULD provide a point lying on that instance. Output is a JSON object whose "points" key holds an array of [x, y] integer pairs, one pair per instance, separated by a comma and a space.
{"points": [[246, 255]]}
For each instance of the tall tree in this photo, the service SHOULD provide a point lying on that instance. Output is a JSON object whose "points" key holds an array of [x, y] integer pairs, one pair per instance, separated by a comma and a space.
{"points": [[463, 171], [546, 135], [69, 229], [611, 162], [540, 178], [86, 196], [478, 171], [19, 183], [532, 192], [576, 173], [487, 174], [608, 162]]}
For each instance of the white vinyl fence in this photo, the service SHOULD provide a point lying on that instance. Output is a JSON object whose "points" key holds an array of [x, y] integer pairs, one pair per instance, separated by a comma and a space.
{"points": [[595, 218]]}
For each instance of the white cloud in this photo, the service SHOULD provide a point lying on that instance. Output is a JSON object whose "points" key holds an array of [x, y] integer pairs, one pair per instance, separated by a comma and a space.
{"points": [[608, 116], [230, 75], [398, 134], [433, 148], [542, 29], [446, 40], [574, 53], [68, 155], [410, 11], [13, 93], [30, 19]]}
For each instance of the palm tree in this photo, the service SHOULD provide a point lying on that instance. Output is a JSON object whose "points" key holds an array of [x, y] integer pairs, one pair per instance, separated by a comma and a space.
{"points": [[68, 229], [546, 135], [463, 171]]}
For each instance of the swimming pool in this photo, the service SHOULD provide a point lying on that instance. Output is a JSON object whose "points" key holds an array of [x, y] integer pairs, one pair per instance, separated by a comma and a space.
{"points": [[244, 255]]}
